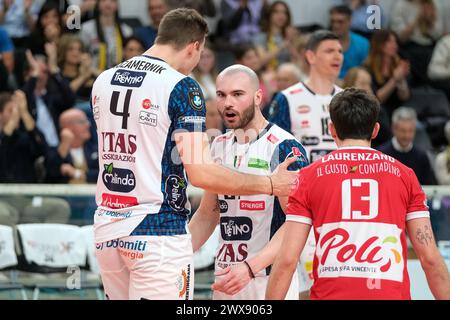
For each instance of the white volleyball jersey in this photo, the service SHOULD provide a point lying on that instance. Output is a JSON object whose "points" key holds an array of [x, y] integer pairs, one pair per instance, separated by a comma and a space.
{"points": [[305, 114], [247, 223], [141, 188]]}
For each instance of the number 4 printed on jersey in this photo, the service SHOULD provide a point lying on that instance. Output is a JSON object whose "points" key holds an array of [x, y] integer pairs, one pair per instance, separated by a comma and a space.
{"points": [[349, 188], [126, 107]]}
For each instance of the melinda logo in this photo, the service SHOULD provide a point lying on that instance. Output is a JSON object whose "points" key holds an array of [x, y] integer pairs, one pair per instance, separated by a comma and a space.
{"points": [[118, 202], [252, 205], [126, 78], [116, 179]]}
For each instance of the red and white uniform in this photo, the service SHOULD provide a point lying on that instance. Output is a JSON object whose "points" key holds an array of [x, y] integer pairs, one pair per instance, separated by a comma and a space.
{"points": [[358, 201]]}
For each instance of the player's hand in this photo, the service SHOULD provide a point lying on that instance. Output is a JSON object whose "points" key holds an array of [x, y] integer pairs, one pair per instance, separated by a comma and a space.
{"points": [[231, 280], [282, 179]]}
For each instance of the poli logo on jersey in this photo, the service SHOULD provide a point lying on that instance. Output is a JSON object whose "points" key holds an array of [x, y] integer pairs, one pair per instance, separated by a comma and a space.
{"points": [[196, 100]]}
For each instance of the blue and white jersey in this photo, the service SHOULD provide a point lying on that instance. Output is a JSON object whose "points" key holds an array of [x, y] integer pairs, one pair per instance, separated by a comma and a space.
{"points": [[305, 114], [247, 223], [141, 188]]}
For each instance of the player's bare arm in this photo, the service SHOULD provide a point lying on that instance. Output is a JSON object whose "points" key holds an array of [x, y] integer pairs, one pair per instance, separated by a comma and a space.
{"points": [[285, 264], [204, 173], [234, 279], [422, 239], [204, 220]]}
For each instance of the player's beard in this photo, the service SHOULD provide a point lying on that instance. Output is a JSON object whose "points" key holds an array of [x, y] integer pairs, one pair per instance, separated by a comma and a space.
{"points": [[244, 119]]}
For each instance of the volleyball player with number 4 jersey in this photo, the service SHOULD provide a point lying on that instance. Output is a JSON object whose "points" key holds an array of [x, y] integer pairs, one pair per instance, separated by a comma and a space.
{"points": [[150, 121], [360, 203]]}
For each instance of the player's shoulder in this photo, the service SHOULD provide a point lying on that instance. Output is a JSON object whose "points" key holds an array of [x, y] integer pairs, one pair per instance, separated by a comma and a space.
{"points": [[223, 138], [282, 139], [277, 135]]}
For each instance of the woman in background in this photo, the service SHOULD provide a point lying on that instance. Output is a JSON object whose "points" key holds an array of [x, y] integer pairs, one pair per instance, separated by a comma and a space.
{"points": [[388, 71], [104, 35]]}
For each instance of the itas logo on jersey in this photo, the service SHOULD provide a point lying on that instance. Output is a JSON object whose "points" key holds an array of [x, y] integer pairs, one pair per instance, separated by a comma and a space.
{"points": [[175, 191], [118, 146], [360, 250], [252, 205], [236, 228], [118, 202], [119, 180], [196, 100], [126, 78], [148, 118], [230, 253]]}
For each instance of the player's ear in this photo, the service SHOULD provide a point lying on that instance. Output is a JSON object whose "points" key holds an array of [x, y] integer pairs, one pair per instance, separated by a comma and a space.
{"points": [[309, 56], [258, 97], [332, 130], [375, 131]]}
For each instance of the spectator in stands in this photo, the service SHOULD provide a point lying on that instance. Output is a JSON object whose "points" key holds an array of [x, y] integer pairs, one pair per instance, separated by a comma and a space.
{"points": [[360, 78], [21, 143], [287, 75], [104, 35], [132, 46], [21, 147], [276, 35], [439, 67], [19, 17], [418, 24], [6, 50], [48, 28], [298, 50], [76, 66], [76, 159], [402, 148], [356, 47], [48, 93], [204, 7], [156, 10], [389, 72], [418, 21], [442, 164], [247, 55], [240, 20]]}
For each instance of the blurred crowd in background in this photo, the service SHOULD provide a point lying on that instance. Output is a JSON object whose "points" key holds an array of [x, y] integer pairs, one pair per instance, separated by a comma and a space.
{"points": [[47, 68]]}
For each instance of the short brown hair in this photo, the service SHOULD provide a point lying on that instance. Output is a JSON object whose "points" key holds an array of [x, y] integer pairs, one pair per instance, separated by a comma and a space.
{"points": [[181, 27], [354, 113]]}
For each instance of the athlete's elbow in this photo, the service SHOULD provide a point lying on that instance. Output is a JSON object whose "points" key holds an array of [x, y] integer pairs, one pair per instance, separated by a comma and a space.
{"points": [[197, 180], [286, 262]]}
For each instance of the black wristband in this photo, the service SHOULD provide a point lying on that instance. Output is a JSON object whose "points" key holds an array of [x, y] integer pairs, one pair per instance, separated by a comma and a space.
{"points": [[250, 271]]}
